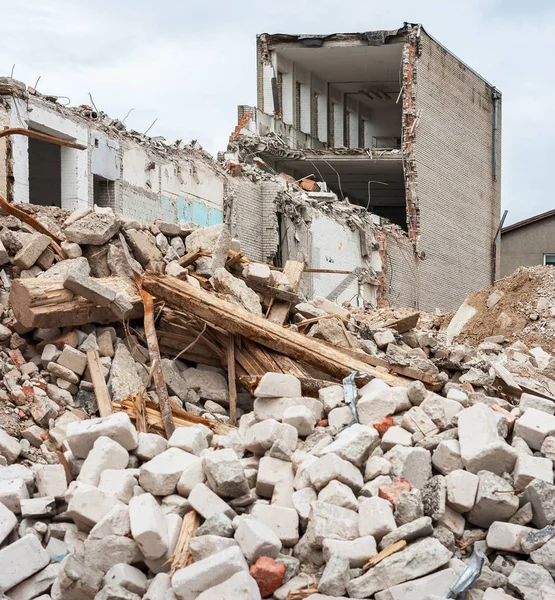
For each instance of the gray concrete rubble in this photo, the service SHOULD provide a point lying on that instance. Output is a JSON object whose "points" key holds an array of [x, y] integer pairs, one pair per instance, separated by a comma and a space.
{"points": [[448, 448]]}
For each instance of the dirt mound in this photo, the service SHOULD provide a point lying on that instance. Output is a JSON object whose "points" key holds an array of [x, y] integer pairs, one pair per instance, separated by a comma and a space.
{"points": [[521, 307]]}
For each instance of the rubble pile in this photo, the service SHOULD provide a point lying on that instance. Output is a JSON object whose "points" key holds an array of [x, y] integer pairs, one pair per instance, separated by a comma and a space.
{"points": [[263, 445], [518, 307]]}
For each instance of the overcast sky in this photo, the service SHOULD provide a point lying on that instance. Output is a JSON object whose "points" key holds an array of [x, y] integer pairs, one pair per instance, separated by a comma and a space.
{"points": [[190, 63]]}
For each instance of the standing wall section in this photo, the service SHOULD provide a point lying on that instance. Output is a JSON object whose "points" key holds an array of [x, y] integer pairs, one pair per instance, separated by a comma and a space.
{"points": [[458, 198]]}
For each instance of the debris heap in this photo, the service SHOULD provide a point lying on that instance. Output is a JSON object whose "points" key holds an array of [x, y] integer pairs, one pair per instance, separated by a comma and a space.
{"points": [[177, 421]]}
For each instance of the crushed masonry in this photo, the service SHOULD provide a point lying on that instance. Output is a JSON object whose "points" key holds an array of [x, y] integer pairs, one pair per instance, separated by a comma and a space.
{"points": [[243, 470]]}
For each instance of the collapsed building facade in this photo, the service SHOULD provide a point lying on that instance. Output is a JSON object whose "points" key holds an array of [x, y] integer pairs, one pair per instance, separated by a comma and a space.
{"points": [[373, 158], [397, 124]]}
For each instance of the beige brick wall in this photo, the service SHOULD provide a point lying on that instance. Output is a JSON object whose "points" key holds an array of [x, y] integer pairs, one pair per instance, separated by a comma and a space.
{"points": [[458, 197]]}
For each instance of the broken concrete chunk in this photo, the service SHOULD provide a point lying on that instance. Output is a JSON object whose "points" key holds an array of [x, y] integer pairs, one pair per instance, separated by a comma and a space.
{"points": [[495, 500], [416, 560], [20, 560], [81, 435], [214, 241], [278, 385], [190, 582], [94, 229], [31, 251]]}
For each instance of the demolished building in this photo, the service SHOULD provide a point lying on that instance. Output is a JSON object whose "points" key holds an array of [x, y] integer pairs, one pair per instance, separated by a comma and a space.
{"points": [[372, 158], [397, 124]]}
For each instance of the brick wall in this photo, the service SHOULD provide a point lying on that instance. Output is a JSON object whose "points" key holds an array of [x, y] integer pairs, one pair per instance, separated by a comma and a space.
{"points": [[458, 198], [401, 272], [246, 216]]}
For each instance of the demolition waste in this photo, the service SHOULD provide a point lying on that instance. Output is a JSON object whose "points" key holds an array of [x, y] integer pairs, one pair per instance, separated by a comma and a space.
{"points": [[178, 422]]}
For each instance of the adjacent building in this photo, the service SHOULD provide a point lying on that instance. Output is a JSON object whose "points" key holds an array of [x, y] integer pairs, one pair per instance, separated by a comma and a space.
{"points": [[528, 243]]}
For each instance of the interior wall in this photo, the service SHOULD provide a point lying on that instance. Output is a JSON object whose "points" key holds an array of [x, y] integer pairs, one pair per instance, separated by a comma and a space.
{"points": [[45, 173]]}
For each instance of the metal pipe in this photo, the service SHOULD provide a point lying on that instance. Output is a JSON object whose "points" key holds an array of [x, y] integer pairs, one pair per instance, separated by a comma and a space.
{"points": [[44, 137], [496, 95], [372, 181]]}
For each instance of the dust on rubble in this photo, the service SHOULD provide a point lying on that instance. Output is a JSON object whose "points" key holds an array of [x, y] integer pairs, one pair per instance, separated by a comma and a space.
{"points": [[525, 311]]}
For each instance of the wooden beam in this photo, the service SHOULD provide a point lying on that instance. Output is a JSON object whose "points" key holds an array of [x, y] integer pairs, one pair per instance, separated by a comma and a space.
{"points": [[99, 383], [156, 363], [237, 320], [191, 257], [232, 384], [46, 303], [404, 324], [280, 310], [268, 290]]}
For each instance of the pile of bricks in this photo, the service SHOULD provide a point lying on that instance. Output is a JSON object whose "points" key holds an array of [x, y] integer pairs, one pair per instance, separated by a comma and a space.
{"points": [[426, 488]]}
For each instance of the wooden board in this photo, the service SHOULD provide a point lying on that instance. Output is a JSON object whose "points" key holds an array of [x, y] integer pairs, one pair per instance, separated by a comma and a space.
{"points": [[46, 303], [280, 310], [404, 324], [234, 319], [99, 383]]}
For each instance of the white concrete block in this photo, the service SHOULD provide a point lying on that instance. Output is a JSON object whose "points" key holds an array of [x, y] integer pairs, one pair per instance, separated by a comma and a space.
{"points": [[260, 437], [481, 446], [412, 464], [330, 467], [278, 385], [274, 408], [528, 468], [256, 539], [88, 504], [189, 439], [354, 444], [506, 536], [160, 475], [530, 401], [339, 494], [376, 518], [50, 480], [8, 521], [375, 466], [127, 577], [148, 525], [10, 448], [174, 524], [12, 491], [190, 582], [283, 521], [20, 560], [534, 426], [301, 418], [150, 445], [190, 476], [461, 490], [396, 436], [447, 456], [240, 586], [271, 472], [105, 454], [119, 483], [356, 551], [81, 435], [375, 406], [430, 587], [207, 503]]}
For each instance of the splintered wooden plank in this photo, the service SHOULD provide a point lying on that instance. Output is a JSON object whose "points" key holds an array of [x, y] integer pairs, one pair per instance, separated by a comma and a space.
{"points": [[236, 320], [404, 324], [280, 310], [99, 383]]}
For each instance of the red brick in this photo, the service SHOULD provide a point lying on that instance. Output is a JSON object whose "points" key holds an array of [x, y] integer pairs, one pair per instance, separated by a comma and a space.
{"points": [[382, 426], [268, 574], [392, 491]]}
